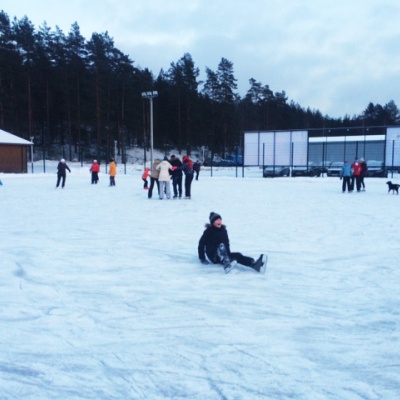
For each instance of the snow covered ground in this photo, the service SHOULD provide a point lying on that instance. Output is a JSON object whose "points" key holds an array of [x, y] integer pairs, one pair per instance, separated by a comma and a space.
{"points": [[102, 295]]}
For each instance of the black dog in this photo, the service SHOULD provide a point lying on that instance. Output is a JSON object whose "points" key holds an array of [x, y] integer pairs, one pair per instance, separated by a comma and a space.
{"points": [[393, 186]]}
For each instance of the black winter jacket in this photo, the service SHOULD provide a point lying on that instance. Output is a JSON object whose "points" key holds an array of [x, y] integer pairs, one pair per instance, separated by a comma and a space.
{"points": [[61, 168], [176, 162], [210, 240]]}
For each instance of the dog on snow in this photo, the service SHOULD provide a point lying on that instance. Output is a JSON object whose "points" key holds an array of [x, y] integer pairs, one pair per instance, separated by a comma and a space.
{"points": [[393, 186]]}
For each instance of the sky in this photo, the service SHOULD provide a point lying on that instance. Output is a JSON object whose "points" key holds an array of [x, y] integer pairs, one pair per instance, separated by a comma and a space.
{"points": [[102, 295], [336, 57]]}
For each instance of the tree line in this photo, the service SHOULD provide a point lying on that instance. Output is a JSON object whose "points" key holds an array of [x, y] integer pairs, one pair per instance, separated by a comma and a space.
{"points": [[86, 95]]}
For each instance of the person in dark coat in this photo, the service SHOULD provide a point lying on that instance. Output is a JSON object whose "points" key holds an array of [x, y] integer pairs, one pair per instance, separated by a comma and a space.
{"points": [[176, 176], [364, 173], [61, 173], [196, 169], [214, 245]]}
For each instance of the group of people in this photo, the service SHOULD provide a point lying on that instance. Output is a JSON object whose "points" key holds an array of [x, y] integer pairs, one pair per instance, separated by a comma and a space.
{"points": [[62, 168], [167, 170], [354, 174], [213, 245], [112, 171]]}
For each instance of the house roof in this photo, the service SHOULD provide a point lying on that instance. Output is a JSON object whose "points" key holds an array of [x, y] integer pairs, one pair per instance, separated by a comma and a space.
{"points": [[8, 138]]}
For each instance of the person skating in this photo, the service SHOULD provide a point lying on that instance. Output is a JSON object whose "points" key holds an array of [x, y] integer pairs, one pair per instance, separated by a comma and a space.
{"points": [[214, 248], [154, 178], [176, 176], [95, 169], [345, 175], [187, 169], [196, 169], [164, 178], [145, 175], [62, 173], [364, 173], [356, 167], [112, 172]]}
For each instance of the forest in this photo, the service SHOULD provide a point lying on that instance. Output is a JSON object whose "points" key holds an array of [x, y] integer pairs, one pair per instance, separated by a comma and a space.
{"points": [[84, 96]]}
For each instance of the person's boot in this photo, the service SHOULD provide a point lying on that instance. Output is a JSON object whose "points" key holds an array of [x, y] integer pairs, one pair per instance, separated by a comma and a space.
{"points": [[226, 261], [260, 264]]}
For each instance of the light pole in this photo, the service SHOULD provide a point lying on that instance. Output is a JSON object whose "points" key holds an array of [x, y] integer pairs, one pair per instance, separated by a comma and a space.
{"points": [[150, 96], [32, 153]]}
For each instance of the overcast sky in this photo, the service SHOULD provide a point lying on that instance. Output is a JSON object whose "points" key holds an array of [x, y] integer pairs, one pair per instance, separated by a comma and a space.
{"points": [[335, 56]]}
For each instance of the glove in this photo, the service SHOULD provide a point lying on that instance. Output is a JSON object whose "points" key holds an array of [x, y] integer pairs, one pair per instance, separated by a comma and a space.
{"points": [[205, 262]]}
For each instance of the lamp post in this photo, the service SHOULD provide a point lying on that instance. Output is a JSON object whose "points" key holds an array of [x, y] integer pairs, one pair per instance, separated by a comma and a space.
{"points": [[150, 96], [32, 153]]}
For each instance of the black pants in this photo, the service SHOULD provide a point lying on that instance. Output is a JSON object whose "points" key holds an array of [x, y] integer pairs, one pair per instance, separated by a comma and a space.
{"points": [[152, 182], [346, 183], [95, 177], [188, 184], [177, 185], [219, 256], [112, 180], [59, 177], [357, 180]]}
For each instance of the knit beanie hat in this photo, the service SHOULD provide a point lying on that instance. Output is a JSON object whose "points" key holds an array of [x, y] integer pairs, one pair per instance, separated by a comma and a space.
{"points": [[213, 217]]}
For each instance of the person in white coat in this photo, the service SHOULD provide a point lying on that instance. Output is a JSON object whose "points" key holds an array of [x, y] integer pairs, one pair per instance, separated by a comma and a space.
{"points": [[164, 178]]}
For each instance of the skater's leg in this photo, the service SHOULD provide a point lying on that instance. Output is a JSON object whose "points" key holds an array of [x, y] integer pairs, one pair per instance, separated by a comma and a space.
{"points": [[241, 259], [168, 190]]}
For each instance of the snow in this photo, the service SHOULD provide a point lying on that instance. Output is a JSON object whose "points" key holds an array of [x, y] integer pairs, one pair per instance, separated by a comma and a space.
{"points": [[9, 138], [102, 295]]}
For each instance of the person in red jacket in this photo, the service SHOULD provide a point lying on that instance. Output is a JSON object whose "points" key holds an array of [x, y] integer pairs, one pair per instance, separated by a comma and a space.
{"points": [[95, 169], [145, 175], [356, 166], [187, 168]]}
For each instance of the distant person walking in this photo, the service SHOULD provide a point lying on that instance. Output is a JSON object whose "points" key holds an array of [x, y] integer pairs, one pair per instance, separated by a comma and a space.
{"points": [[356, 167], [95, 169], [176, 176], [196, 169], [112, 171], [187, 168], [364, 173], [145, 175], [61, 173], [345, 176], [154, 178], [164, 178]]}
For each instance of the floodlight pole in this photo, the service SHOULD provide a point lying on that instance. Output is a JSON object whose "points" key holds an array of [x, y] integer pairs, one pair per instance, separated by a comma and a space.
{"points": [[32, 153], [150, 96]]}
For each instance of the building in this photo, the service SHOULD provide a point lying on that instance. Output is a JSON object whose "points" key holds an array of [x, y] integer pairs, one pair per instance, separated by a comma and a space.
{"points": [[13, 153], [300, 148]]}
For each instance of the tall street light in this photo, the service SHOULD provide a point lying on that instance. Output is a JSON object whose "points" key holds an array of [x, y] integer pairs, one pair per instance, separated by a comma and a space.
{"points": [[150, 96], [32, 137]]}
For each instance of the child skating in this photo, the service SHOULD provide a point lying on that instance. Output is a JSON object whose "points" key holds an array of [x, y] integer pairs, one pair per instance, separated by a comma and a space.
{"points": [[214, 248]]}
